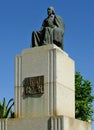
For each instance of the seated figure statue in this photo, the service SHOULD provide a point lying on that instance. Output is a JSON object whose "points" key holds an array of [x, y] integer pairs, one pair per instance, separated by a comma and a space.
{"points": [[52, 31]]}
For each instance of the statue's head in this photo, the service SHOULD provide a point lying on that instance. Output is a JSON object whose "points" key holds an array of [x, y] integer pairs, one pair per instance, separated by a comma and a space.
{"points": [[50, 10]]}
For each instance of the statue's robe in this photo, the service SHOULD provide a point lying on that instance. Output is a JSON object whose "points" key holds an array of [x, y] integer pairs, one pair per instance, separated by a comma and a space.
{"points": [[52, 31]]}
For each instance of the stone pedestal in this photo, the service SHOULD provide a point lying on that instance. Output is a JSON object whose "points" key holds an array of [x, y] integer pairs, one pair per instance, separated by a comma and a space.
{"points": [[57, 70], [44, 123], [44, 91]]}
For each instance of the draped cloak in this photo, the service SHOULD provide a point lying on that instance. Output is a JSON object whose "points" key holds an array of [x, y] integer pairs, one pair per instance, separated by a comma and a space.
{"points": [[52, 31]]}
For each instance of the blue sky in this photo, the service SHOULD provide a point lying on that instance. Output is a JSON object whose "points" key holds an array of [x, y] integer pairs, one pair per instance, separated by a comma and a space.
{"points": [[19, 18]]}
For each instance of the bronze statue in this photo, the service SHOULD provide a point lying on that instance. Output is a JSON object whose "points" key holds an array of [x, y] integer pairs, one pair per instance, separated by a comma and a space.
{"points": [[52, 31]]}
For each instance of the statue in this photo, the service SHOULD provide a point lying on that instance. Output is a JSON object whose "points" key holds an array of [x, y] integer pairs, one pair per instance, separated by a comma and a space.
{"points": [[52, 31]]}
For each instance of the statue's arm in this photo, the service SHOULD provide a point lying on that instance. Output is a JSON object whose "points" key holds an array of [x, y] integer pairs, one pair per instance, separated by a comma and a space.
{"points": [[43, 25]]}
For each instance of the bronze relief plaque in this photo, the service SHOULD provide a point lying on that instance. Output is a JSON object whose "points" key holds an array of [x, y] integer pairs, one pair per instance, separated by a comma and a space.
{"points": [[33, 85]]}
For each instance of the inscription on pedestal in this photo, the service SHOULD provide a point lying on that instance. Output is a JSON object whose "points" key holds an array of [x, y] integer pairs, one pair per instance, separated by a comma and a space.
{"points": [[33, 85]]}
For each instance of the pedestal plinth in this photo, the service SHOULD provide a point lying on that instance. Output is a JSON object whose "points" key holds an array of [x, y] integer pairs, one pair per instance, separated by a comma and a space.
{"points": [[52, 70], [44, 92]]}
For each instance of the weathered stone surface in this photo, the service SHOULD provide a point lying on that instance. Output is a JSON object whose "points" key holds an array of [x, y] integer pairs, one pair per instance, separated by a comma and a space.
{"points": [[44, 123], [59, 92], [54, 109]]}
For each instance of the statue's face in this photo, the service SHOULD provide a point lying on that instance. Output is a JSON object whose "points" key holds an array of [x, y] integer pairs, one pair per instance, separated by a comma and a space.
{"points": [[50, 11]]}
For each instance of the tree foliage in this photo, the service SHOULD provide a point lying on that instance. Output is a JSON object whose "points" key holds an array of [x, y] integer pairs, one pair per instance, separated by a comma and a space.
{"points": [[83, 98], [6, 109]]}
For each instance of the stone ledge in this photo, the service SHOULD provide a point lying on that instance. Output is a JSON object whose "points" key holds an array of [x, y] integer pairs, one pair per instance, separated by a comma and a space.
{"points": [[44, 123]]}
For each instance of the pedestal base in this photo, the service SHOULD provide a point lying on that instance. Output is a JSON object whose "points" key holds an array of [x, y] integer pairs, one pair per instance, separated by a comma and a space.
{"points": [[58, 71], [44, 92], [44, 123]]}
